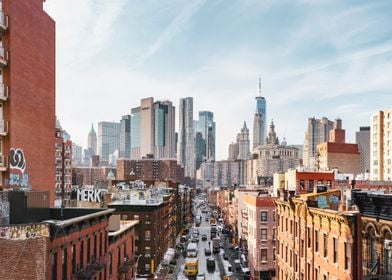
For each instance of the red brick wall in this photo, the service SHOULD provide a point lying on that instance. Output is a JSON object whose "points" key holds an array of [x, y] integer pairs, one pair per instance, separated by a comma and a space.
{"points": [[28, 259], [30, 74]]}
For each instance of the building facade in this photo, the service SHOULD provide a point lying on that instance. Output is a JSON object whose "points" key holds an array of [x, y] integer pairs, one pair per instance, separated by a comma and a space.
{"points": [[207, 128], [243, 143], [317, 132], [260, 212], [316, 239], [362, 138], [381, 145], [108, 139], [27, 66], [186, 140], [125, 137], [337, 154], [275, 157], [92, 142], [164, 130], [63, 183]]}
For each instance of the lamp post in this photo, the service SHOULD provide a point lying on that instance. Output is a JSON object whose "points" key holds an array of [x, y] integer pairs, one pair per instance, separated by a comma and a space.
{"points": [[136, 265]]}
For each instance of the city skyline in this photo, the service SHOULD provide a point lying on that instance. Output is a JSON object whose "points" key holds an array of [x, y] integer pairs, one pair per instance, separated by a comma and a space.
{"points": [[315, 59]]}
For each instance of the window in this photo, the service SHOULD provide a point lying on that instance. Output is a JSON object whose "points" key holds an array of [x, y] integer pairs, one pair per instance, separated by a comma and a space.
{"points": [[325, 245], [73, 262], [316, 241], [273, 234], [148, 235], [88, 250], [64, 259], [346, 256], [147, 250], [274, 255], [81, 256], [302, 247], [291, 227], [335, 250], [302, 184], [264, 217], [136, 217], [147, 267], [273, 216], [110, 264], [54, 266], [263, 234], [264, 255], [309, 237]]}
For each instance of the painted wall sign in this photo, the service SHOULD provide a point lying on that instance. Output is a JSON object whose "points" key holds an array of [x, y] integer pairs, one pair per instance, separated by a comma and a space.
{"points": [[90, 195], [24, 232]]}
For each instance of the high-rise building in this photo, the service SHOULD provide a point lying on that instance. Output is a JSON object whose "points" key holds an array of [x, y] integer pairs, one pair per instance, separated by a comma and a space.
{"points": [[259, 121], [233, 151], [200, 149], [164, 130], [125, 137], [381, 145], [206, 126], [243, 143], [92, 141], [186, 139], [316, 133], [77, 154], [362, 138], [27, 66], [153, 129], [108, 139]]}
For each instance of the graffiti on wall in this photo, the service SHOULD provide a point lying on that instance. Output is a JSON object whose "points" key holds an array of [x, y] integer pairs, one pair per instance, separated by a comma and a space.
{"points": [[4, 209], [17, 159], [18, 163], [23, 232]]}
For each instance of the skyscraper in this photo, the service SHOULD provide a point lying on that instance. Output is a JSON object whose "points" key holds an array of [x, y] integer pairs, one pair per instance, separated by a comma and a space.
{"points": [[164, 130], [108, 139], [362, 138], [243, 143], [186, 145], [206, 126], [381, 145], [317, 133], [92, 141], [259, 121], [125, 137], [153, 129], [200, 149]]}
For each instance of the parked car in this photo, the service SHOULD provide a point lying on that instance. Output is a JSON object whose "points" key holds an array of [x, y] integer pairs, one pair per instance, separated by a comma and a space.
{"points": [[207, 251], [201, 276], [204, 237]]}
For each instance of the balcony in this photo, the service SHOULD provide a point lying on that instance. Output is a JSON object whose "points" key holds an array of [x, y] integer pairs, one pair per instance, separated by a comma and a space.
{"points": [[3, 22], [3, 163], [3, 127], [3, 92], [3, 57]]}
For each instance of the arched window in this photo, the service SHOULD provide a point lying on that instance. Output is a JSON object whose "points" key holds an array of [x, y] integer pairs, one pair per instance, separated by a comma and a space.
{"points": [[387, 252], [371, 245]]}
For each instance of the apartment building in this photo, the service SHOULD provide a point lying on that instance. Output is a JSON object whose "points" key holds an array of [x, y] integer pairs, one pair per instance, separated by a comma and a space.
{"points": [[27, 96], [317, 238], [260, 213], [381, 145]]}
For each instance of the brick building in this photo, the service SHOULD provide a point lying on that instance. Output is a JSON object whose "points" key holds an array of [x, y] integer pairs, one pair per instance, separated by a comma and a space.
{"points": [[63, 151], [68, 243], [300, 182], [149, 170], [153, 231], [260, 213], [376, 210], [317, 238], [96, 176], [27, 99], [337, 154]]}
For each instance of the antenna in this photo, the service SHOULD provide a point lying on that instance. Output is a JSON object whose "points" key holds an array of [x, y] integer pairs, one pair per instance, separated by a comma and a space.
{"points": [[260, 85]]}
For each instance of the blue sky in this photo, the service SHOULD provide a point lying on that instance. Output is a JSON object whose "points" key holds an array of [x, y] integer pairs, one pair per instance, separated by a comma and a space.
{"points": [[316, 58]]}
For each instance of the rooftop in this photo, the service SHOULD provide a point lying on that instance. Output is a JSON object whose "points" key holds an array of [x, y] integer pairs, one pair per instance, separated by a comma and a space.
{"points": [[124, 226]]}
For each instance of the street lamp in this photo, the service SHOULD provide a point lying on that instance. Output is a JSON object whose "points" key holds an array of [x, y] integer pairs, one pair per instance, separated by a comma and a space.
{"points": [[136, 265]]}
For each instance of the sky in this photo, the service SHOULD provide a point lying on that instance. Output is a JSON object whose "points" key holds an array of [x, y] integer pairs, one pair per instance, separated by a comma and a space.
{"points": [[315, 58]]}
